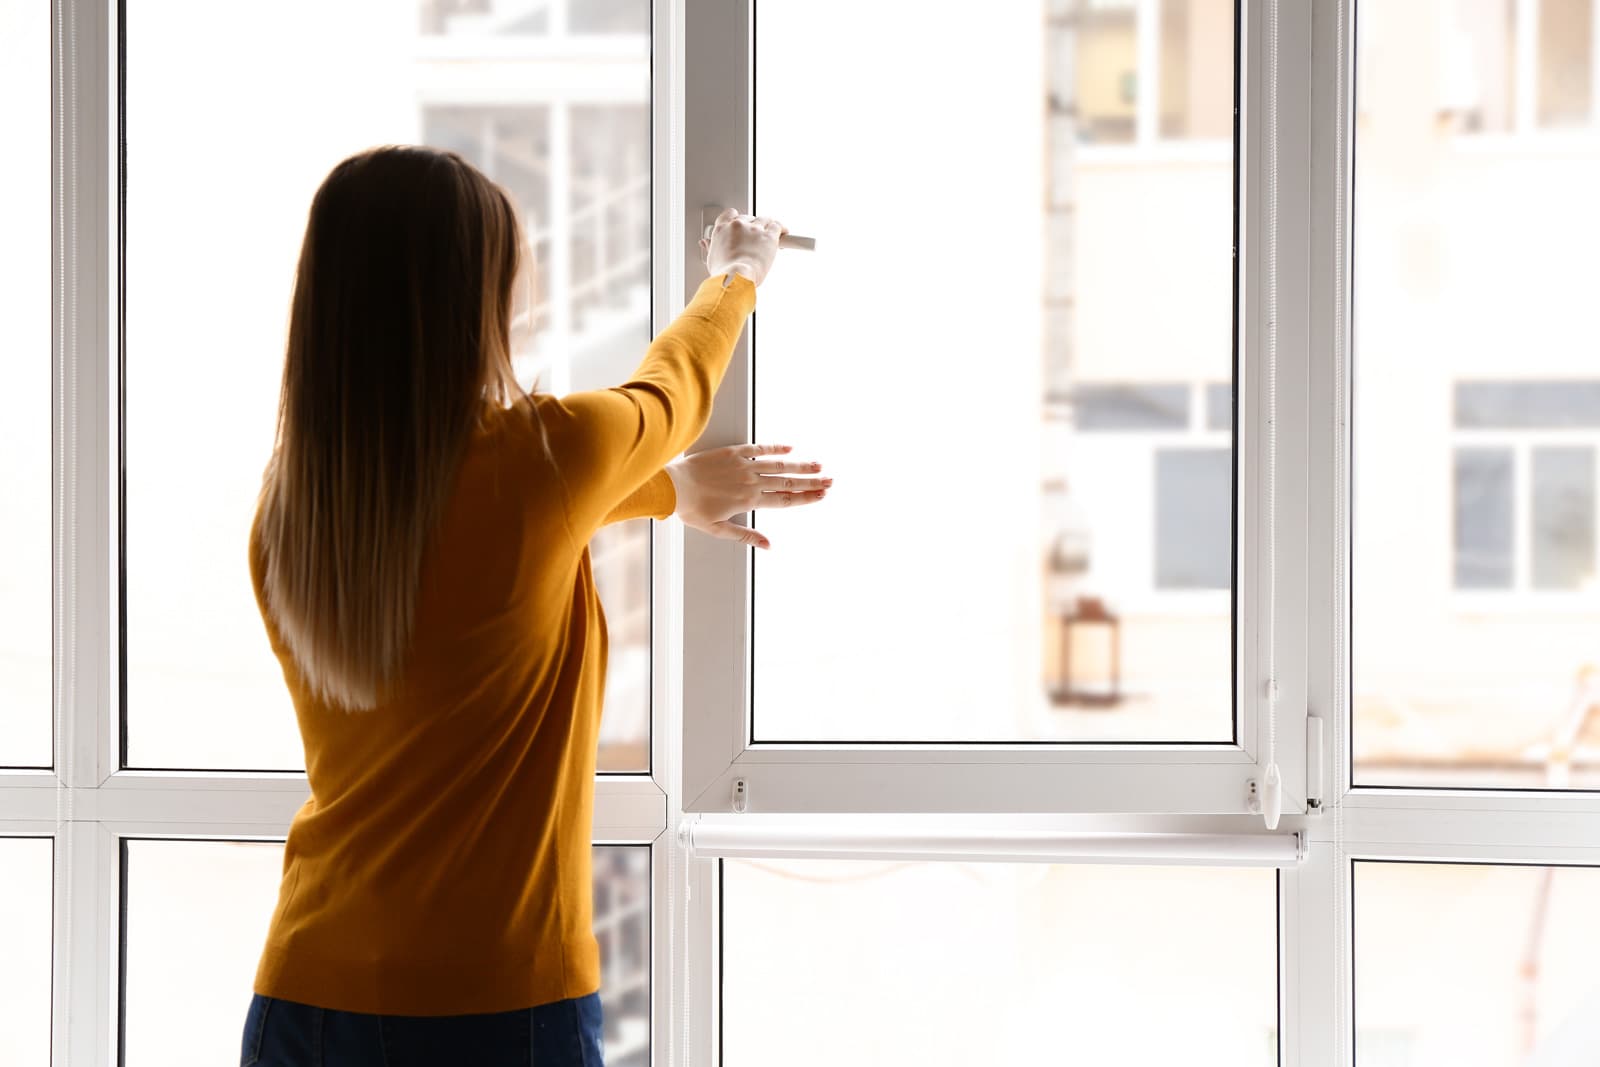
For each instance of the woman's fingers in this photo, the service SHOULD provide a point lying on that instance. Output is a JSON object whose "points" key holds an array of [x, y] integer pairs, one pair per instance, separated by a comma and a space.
{"points": [[790, 500], [778, 466], [752, 451], [792, 485], [730, 531]]}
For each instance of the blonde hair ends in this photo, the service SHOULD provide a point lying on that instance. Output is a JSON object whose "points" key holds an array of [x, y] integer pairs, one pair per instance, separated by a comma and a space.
{"points": [[398, 342]]}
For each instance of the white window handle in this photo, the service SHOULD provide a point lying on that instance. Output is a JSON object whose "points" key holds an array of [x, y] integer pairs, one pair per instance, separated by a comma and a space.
{"points": [[708, 217]]}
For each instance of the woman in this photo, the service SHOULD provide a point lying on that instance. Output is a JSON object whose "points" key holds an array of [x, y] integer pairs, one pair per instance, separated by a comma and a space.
{"points": [[420, 559]]}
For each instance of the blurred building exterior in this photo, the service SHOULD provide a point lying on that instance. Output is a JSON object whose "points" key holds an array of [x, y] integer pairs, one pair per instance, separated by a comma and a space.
{"points": [[1476, 631]]}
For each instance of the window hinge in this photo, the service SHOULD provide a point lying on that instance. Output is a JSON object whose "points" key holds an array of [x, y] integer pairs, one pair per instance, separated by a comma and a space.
{"points": [[741, 796]]}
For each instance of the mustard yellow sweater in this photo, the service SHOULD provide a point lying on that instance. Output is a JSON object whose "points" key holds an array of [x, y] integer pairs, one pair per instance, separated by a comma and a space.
{"points": [[442, 863]]}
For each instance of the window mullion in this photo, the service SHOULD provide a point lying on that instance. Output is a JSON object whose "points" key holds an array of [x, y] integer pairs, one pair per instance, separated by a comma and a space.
{"points": [[1314, 904], [84, 1003], [83, 448], [1314, 999], [84, 297]]}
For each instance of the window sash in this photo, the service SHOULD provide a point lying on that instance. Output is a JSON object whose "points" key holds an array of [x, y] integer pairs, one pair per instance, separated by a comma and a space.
{"points": [[719, 750]]}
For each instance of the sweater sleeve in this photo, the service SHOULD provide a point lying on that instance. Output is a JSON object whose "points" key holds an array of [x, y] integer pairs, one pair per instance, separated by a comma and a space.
{"points": [[656, 499], [607, 443]]}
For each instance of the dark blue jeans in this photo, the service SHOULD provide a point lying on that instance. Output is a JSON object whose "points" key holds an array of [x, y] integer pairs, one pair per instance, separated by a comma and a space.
{"points": [[283, 1033]]}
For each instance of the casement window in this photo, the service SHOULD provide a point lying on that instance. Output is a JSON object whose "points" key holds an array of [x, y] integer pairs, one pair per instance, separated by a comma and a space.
{"points": [[927, 675], [1207, 390]]}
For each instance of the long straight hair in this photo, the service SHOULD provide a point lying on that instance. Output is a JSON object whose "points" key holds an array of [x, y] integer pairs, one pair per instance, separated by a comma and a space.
{"points": [[398, 342]]}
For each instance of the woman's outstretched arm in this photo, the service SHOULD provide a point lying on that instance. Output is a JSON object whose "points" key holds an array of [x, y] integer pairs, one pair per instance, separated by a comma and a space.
{"points": [[607, 443]]}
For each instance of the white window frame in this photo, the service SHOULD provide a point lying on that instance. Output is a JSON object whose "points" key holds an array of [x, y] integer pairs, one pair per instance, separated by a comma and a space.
{"points": [[87, 804], [1079, 777]]}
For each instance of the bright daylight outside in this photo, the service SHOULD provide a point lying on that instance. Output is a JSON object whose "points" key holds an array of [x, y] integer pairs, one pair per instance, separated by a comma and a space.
{"points": [[1025, 963], [1476, 631], [1033, 427], [25, 409], [566, 131]]}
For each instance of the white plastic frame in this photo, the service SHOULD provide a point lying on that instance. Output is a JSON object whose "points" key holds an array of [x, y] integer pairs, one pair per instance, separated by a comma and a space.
{"points": [[1079, 777]]}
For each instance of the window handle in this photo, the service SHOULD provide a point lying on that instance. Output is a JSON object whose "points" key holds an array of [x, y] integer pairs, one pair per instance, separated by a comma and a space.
{"points": [[708, 217]]}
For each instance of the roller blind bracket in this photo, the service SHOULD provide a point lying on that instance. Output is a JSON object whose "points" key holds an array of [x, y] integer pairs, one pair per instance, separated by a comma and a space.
{"points": [[764, 837]]}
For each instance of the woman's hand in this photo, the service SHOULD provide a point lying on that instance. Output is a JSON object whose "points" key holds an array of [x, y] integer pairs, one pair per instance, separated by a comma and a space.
{"points": [[716, 485], [743, 244]]}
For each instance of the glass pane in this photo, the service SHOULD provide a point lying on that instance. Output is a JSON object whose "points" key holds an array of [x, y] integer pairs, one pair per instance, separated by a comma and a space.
{"points": [[195, 919], [25, 402], [1065, 356], [1492, 966], [1477, 405], [203, 689], [1017, 963], [25, 948]]}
